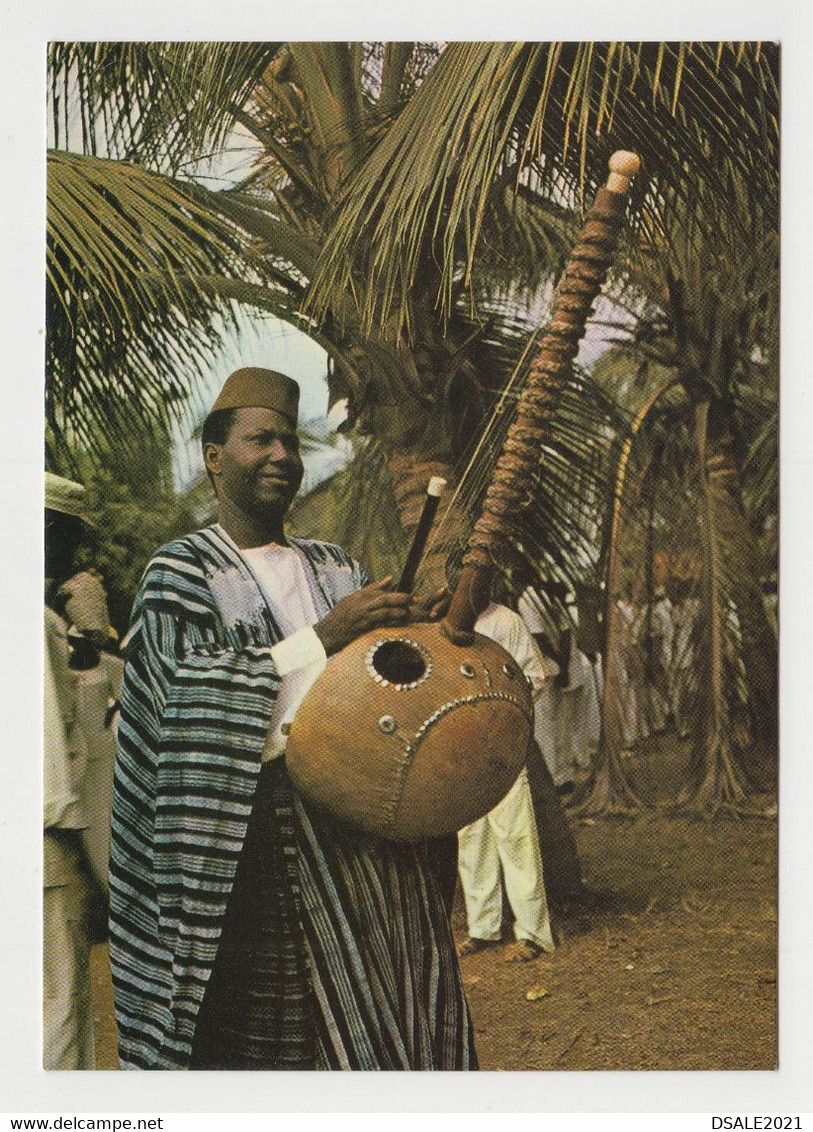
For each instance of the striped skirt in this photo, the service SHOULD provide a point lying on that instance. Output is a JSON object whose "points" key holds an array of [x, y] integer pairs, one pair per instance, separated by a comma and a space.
{"points": [[336, 952]]}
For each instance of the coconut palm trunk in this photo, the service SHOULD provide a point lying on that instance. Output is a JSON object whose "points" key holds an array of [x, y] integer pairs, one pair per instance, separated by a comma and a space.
{"points": [[758, 644], [717, 780], [727, 765], [610, 790]]}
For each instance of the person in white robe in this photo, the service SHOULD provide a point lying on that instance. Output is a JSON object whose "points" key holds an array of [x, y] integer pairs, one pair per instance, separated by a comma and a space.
{"points": [[503, 846], [579, 718], [544, 631], [568, 717]]}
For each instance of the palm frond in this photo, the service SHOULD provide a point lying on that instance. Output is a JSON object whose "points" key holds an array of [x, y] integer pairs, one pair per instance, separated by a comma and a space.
{"points": [[110, 225], [142, 271], [699, 126], [524, 244], [165, 104]]}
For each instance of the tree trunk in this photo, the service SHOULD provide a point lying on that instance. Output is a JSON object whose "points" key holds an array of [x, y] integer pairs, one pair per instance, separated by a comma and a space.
{"points": [[716, 779], [563, 875], [610, 791], [392, 400], [758, 642]]}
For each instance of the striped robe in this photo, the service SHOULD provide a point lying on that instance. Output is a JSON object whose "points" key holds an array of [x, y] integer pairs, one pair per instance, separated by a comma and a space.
{"points": [[198, 691]]}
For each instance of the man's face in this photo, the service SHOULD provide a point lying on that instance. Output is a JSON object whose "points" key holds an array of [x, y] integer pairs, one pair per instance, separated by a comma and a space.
{"points": [[258, 468]]}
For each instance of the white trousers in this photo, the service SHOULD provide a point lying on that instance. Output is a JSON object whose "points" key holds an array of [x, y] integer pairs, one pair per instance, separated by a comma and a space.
{"points": [[68, 1009], [505, 837], [546, 733]]}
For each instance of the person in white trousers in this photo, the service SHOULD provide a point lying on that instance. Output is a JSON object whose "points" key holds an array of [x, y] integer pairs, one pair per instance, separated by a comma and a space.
{"points": [[504, 844]]}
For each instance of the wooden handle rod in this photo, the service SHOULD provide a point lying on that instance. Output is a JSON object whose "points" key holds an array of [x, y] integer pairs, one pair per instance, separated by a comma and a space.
{"points": [[434, 490]]}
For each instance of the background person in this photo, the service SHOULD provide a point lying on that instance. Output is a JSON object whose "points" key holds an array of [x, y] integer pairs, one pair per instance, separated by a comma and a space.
{"points": [[501, 850], [68, 887]]}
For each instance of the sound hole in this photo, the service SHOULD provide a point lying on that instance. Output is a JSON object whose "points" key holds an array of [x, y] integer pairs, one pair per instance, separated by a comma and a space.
{"points": [[399, 662]]}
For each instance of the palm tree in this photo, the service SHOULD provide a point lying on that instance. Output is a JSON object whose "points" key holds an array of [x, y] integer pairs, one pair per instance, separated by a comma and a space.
{"points": [[164, 247], [704, 117], [711, 311], [452, 171]]}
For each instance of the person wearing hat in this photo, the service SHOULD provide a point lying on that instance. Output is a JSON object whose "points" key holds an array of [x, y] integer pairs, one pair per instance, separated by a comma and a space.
{"points": [[68, 863], [246, 930]]}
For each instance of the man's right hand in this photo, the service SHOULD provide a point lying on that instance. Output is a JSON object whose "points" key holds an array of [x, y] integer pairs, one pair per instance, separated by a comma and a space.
{"points": [[372, 607]]}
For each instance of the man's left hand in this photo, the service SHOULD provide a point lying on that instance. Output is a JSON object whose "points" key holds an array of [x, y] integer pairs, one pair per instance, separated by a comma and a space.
{"points": [[430, 607]]}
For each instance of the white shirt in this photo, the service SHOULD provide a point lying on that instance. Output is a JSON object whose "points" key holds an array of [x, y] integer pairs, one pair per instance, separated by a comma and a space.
{"points": [[300, 657], [537, 620], [508, 629]]}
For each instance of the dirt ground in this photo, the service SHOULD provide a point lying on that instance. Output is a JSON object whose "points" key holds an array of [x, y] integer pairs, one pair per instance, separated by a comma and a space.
{"points": [[672, 966]]}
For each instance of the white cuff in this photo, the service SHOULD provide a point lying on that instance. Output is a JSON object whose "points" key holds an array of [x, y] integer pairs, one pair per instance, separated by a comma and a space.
{"points": [[299, 650]]}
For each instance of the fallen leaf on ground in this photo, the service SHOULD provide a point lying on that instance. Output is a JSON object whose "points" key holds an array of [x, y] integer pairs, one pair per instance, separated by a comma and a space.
{"points": [[569, 1045], [692, 902], [630, 967], [652, 1001], [536, 992]]}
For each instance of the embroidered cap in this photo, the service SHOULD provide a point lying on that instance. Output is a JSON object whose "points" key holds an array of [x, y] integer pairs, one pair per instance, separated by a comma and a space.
{"points": [[253, 387]]}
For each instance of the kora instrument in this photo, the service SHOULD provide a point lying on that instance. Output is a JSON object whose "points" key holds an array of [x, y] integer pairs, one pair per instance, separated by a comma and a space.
{"points": [[408, 735], [412, 733]]}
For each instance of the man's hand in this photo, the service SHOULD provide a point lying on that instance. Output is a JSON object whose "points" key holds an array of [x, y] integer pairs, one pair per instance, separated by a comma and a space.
{"points": [[370, 608], [431, 607]]}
